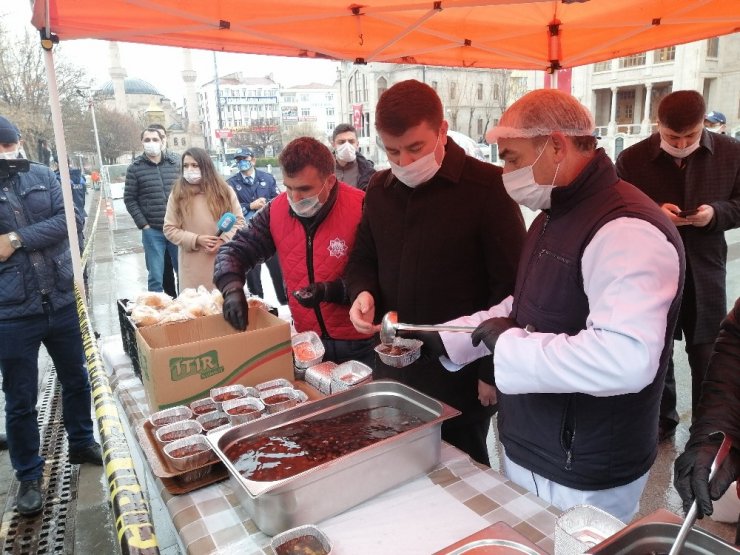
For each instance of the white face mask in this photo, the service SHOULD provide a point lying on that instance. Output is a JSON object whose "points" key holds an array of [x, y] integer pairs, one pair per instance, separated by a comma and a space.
{"points": [[522, 187], [11, 155], [419, 171], [153, 149], [306, 207], [679, 152], [192, 176], [717, 129], [346, 153]]}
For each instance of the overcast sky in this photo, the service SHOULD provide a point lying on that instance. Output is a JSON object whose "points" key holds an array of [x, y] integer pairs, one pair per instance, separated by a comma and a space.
{"points": [[162, 66]]}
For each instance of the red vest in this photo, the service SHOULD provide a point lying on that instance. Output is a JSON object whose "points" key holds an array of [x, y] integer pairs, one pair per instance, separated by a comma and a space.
{"points": [[328, 254]]}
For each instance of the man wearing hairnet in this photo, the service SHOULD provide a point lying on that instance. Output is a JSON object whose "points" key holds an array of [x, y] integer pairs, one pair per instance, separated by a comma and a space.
{"points": [[581, 348]]}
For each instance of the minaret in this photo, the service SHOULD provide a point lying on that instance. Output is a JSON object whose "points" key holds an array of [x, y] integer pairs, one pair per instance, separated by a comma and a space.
{"points": [[191, 100], [117, 75]]}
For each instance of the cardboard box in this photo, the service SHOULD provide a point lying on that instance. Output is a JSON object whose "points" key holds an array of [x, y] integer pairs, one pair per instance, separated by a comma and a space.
{"points": [[181, 362]]}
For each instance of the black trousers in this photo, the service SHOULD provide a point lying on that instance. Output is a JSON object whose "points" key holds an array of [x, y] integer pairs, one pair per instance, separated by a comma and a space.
{"points": [[254, 280], [468, 435]]}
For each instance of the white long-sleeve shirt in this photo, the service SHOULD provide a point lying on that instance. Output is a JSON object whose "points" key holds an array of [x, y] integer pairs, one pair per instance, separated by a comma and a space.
{"points": [[630, 277]]}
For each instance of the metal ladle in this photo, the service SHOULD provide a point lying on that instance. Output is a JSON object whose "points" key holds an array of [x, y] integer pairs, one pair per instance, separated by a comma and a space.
{"points": [[390, 325], [688, 522]]}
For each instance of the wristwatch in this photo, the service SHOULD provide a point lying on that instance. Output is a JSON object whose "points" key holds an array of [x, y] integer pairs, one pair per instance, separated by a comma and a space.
{"points": [[15, 240]]}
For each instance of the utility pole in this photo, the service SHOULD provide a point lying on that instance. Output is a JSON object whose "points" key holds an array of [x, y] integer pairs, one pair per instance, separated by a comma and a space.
{"points": [[91, 104], [218, 111]]}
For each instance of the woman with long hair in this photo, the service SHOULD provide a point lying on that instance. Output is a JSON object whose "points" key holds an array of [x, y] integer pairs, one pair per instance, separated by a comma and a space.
{"points": [[198, 200]]}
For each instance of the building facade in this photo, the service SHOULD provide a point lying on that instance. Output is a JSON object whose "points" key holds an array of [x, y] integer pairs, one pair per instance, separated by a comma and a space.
{"points": [[624, 93], [309, 110]]}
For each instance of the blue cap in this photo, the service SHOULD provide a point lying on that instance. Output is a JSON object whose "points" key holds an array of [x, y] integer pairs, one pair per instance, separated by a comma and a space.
{"points": [[244, 152], [716, 117], [8, 132]]}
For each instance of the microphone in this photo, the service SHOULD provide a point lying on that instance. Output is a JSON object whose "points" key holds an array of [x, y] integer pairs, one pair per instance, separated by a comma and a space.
{"points": [[225, 223]]}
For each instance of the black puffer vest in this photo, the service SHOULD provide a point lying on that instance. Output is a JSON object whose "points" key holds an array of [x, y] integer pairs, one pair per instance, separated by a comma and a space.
{"points": [[578, 440]]}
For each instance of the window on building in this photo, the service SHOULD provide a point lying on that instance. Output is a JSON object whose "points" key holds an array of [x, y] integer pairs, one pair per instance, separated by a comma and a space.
{"points": [[453, 90], [618, 146], [713, 47], [635, 60], [603, 66], [330, 126], [382, 85], [479, 91], [496, 91], [480, 126], [176, 142], [305, 112], [434, 85], [182, 142], [667, 54], [330, 111]]}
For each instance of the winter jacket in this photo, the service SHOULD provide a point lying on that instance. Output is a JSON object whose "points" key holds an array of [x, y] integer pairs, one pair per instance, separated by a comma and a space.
{"points": [[263, 186], [365, 171], [148, 187], [31, 204], [711, 176], [316, 251], [79, 189], [719, 406], [582, 441], [432, 253]]}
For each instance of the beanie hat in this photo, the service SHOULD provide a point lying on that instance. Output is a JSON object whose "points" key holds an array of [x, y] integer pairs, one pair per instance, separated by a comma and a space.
{"points": [[8, 131]]}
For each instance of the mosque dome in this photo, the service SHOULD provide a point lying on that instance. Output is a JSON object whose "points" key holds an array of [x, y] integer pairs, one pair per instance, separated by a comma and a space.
{"points": [[131, 86]]}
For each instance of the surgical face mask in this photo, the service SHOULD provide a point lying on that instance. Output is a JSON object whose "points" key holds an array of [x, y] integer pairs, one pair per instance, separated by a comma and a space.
{"points": [[152, 149], [419, 171], [346, 153], [10, 155], [192, 176], [245, 165], [522, 187], [717, 129], [306, 207], [679, 152]]}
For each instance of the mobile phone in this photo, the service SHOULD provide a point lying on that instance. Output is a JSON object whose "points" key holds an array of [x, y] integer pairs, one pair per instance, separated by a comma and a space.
{"points": [[684, 213]]}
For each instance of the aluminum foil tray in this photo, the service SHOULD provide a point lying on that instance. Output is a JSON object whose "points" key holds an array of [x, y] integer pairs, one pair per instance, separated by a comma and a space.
{"points": [[337, 485]]}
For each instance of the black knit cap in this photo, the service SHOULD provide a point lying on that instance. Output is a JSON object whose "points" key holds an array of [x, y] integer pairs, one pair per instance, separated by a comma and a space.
{"points": [[8, 131]]}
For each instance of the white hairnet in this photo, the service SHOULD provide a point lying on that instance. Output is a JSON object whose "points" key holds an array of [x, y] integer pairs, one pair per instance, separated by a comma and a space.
{"points": [[543, 112]]}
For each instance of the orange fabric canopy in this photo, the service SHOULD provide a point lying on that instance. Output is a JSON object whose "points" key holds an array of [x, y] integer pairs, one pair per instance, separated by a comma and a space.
{"points": [[512, 34]]}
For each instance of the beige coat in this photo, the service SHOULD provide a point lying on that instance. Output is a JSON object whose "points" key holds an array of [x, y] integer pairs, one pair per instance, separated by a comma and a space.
{"points": [[195, 264]]}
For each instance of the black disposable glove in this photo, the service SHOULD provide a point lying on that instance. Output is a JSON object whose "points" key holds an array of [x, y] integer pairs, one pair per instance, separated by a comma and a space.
{"points": [[691, 476], [236, 311], [490, 330], [322, 292], [432, 341]]}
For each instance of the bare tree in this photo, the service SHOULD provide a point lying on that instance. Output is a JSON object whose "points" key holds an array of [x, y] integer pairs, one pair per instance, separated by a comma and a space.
{"points": [[24, 96], [502, 90], [303, 129], [119, 133]]}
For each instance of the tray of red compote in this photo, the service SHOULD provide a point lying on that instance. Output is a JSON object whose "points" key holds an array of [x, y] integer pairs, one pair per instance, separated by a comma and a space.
{"points": [[320, 458]]}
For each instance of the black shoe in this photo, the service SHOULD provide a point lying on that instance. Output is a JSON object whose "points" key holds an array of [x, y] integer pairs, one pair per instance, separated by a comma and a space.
{"points": [[3, 442], [666, 431], [29, 501], [90, 454]]}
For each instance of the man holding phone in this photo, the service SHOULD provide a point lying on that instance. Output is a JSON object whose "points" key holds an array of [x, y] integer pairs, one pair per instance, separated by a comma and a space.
{"points": [[694, 176]]}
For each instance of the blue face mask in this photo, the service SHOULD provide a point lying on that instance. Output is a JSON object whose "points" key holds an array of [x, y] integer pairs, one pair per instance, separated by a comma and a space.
{"points": [[245, 165]]}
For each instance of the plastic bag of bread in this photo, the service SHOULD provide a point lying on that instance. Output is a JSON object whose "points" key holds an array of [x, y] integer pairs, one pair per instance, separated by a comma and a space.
{"points": [[154, 299], [175, 314], [144, 315], [197, 302]]}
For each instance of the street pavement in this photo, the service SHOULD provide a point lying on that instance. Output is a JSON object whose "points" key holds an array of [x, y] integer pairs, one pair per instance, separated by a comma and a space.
{"points": [[117, 271]]}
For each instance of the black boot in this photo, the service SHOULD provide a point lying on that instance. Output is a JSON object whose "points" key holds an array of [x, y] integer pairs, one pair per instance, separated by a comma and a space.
{"points": [[29, 501], [3, 442], [90, 454]]}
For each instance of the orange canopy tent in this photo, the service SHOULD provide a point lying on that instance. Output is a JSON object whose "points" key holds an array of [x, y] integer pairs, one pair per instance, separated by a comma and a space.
{"points": [[515, 34]]}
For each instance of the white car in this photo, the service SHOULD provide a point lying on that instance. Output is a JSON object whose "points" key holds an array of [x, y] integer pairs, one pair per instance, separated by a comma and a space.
{"points": [[470, 147]]}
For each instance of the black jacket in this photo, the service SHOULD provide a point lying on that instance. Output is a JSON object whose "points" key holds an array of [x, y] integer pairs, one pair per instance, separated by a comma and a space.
{"points": [[446, 248], [148, 187]]}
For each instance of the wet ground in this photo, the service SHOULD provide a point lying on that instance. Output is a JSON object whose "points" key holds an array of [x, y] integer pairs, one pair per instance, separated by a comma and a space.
{"points": [[117, 271]]}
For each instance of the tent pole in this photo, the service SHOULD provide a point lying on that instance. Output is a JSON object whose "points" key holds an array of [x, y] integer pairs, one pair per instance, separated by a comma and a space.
{"points": [[69, 208]]}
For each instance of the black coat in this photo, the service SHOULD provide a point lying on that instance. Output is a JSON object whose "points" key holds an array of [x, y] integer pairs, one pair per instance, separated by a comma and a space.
{"points": [[444, 249], [711, 176], [148, 187]]}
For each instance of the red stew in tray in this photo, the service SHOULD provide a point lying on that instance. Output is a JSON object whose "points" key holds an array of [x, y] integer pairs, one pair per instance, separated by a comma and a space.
{"points": [[227, 396], [242, 409], [188, 451], [304, 351], [302, 545], [394, 350], [179, 434], [279, 398], [215, 423], [291, 449], [203, 409]]}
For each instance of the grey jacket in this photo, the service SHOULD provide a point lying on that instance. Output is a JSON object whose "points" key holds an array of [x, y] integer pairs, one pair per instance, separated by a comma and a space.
{"points": [[31, 204], [148, 187]]}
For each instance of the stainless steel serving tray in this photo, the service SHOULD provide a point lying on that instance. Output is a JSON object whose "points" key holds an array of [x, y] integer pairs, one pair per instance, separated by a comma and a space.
{"points": [[656, 533], [337, 485]]}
